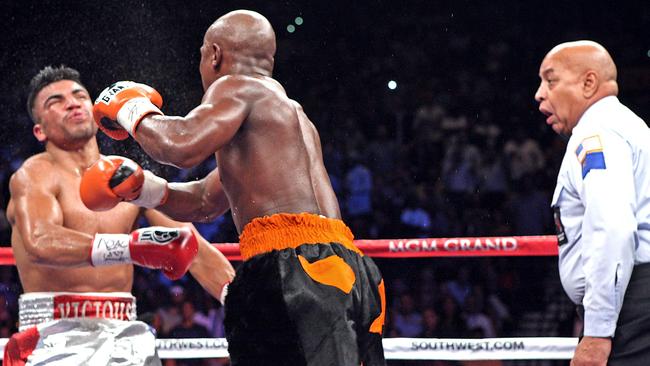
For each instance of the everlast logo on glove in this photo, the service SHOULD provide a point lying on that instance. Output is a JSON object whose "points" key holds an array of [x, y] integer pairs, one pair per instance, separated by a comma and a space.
{"points": [[111, 91], [119, 108], [159, 236]]}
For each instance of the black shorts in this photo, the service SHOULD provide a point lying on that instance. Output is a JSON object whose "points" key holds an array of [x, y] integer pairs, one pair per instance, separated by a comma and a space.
{"points": [[313, 304]]}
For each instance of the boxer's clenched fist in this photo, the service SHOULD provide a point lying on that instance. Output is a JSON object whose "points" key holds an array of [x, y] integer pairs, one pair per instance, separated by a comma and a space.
{"points": [[120, 107]]}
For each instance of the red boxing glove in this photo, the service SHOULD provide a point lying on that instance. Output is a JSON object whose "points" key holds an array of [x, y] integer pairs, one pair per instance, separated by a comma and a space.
{"points": [[169, 249], [120, 107], [113, 179]]}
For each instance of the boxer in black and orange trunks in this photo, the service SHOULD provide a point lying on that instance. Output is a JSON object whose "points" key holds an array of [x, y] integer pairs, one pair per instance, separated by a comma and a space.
{"points": [[304, 295]]}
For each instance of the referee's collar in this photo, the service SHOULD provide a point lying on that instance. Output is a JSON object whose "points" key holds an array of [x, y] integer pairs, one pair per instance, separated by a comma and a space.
{"points": [[598, 108]]}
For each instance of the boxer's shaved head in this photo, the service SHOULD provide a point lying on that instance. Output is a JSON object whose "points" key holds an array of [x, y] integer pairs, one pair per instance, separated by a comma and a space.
{"points": [[245, 32], [241, 41]]}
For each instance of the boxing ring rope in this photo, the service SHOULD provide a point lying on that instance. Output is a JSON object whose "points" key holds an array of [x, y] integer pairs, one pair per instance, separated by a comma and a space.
{"points": [[522, 348], [497, 246]]}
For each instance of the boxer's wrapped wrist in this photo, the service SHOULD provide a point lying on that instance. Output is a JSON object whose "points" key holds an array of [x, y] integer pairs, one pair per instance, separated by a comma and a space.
{"points": [[133, 111], [154, 191], [109, 249], [224, 293]]}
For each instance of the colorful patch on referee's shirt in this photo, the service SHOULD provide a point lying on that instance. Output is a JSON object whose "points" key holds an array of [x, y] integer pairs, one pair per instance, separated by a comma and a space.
{"points": [[559, 227], [590, 155]]}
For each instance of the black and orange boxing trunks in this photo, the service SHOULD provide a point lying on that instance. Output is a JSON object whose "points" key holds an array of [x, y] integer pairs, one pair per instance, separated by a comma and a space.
{"points": [[305, 295]]}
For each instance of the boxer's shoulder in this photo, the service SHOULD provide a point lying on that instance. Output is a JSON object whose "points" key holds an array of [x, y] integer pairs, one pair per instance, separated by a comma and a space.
{"points": [[36, 169], [243, 87], [39, 161]]}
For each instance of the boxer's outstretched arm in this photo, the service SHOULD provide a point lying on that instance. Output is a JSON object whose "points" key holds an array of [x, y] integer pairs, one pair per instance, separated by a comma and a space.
{"points": [[210, 267], [202, 200], [199, 201], [187, 141], [38, 218]]}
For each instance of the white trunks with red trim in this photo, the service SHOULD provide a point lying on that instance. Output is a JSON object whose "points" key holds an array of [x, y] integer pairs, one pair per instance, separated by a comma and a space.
{"points": [[97, 329], [40, 307]]}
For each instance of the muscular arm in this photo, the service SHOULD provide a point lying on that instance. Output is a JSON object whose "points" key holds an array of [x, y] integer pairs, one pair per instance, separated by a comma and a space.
{"points": [[199, 201], [186, 141], [39, 220], [210, 267]]}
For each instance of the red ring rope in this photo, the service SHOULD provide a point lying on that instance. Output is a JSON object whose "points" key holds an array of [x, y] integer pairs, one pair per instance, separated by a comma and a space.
{"points": [[503, 246]]}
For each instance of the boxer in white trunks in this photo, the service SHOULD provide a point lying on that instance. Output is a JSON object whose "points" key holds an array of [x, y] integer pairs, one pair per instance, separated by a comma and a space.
{"points": [[76, 265]]}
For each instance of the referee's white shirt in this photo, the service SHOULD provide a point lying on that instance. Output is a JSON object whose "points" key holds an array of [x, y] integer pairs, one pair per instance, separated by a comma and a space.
{"points": [[602, 210]]}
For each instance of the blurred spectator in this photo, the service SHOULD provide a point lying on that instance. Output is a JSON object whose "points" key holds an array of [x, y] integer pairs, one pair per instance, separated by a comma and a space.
{"points": [[428, 116], [188, 328], [358, 198], [460, 287], [459, 170], [493, 179], [382, 152], [529, 208], [358, 185], [430, 321], [451, 324], [475, 318], [406, 319], [416, 221], [211, 317], [428, 293], [524, 155], [171, 313]]}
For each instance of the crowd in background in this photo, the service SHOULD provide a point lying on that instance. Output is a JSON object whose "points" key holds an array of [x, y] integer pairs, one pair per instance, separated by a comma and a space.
{"points": [[458, 148]]}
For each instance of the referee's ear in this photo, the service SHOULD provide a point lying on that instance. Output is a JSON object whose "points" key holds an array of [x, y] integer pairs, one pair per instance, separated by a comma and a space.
{"points": [[590, 84]]}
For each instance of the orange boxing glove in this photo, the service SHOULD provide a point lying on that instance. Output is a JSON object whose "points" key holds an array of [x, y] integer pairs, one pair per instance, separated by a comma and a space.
{"points": [[120, 107], [113, 179]]}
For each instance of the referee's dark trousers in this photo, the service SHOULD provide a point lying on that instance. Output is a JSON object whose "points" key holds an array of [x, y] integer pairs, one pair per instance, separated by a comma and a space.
{"points": [[631, 342]]}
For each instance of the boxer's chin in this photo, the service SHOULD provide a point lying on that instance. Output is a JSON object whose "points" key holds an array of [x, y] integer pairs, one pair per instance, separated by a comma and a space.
{"points": [[82, 132]]}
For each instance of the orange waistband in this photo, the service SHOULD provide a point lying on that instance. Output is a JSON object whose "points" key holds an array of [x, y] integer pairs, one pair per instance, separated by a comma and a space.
{"points": [[281, 231]]}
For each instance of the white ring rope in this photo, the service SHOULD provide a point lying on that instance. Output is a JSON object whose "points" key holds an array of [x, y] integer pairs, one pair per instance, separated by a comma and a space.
{"points": [[523, 348]]}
